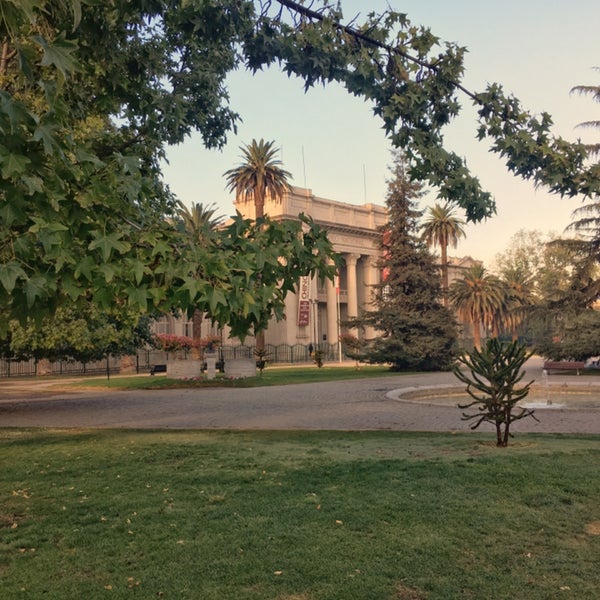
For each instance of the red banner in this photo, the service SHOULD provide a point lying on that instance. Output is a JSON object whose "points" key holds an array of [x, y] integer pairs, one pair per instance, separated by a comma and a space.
{"points": [[304, 302]]}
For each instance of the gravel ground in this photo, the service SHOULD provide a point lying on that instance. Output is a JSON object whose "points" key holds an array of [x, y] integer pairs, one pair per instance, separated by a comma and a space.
{"points": [[368, 404]]}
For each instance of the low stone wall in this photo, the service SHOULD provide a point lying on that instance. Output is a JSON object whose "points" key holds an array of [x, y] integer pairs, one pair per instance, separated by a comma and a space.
{"points": [[240, 367], [183, 369]]}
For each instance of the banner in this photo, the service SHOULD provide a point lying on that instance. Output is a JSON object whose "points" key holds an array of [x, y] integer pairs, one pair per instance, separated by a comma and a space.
{"points": [[304, 302]]}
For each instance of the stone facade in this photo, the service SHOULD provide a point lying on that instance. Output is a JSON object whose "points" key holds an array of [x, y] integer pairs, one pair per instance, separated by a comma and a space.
{"points": [[313, 314]]}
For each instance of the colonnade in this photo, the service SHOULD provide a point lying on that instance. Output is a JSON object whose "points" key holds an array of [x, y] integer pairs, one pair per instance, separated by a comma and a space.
{"points": [[350, 293]]}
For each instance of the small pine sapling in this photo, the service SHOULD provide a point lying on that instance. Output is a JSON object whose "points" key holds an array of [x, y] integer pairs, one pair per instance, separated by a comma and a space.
{"points": [[261, 359]]}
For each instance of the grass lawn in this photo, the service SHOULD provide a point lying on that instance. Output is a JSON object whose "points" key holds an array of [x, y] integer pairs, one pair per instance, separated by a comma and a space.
{"points": [[297, 516], [272, 376]]}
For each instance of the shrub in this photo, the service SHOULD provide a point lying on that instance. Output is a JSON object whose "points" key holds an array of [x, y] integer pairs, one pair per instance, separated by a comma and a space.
{"points": [[495, 373]]}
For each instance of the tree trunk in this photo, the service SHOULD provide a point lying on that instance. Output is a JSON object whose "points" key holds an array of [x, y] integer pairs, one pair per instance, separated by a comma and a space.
{"points": [[445, 284], [259, 212], [476, 335], [260, 340], [197, 319], [259, 204]]}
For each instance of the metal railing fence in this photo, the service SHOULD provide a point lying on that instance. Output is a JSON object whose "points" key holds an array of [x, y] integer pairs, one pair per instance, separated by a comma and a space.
{"points": [[144, 360]]}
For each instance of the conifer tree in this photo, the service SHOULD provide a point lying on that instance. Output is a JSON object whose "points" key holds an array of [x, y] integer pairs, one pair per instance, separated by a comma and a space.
{"points": [[415, 330]]}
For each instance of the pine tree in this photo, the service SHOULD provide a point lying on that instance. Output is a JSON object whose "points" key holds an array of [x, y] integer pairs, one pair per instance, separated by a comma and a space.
{"points": [[415, 330]]}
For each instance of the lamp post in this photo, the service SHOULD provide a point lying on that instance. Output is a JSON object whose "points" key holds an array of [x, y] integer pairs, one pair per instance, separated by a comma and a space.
{"points": [[339, 317]]}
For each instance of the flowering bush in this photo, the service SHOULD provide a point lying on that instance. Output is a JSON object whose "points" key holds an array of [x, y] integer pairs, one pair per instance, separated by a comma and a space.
{"points": [[168, 342], [173, 343]]}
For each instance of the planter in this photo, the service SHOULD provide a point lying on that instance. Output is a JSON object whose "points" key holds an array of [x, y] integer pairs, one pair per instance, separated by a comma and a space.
{"points": [[240, 367], [184, 369]]}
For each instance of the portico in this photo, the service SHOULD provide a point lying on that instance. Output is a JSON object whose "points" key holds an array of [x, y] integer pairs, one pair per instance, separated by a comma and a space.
{"points": [[315, 313]]}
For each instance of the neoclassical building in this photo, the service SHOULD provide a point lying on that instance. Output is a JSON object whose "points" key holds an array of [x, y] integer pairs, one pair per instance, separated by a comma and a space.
{"points": [[314, 313]]}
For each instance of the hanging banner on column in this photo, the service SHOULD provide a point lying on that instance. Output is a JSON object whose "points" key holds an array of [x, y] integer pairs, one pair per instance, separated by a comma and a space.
{"points": [[304, 302]]}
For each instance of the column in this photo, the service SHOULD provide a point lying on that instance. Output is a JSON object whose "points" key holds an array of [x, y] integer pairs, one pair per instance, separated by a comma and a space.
{"points": [[332, 325], [371, 276], [352, 285]]}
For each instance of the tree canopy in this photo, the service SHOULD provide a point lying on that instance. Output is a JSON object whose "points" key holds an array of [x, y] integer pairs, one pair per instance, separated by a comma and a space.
{"points": [[91, 94]]}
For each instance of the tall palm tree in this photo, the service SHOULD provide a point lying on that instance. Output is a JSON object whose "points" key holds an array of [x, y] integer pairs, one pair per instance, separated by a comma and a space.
{"points": [[479, 299], [258, 176], [197, 223], [442, 228], [594, 92], [586, 222]]}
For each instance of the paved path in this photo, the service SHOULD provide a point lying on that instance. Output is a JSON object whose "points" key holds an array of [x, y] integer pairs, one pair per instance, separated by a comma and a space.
{"points": [[366, 404]]}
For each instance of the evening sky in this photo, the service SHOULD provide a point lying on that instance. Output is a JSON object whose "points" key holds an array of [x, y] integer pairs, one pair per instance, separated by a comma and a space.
{"points": [[333, 144]]}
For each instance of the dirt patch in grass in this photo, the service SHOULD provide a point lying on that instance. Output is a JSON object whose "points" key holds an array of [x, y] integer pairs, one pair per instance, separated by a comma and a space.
{"points": [[404, 592], [593, 528]]}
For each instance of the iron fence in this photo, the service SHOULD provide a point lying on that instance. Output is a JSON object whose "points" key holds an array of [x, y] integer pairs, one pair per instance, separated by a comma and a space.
{"points": [[32, 367], [146, 359]]}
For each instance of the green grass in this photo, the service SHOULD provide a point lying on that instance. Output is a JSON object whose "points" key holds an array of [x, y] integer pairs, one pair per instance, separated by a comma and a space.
{"points": [[273, 376], [297, 516]]}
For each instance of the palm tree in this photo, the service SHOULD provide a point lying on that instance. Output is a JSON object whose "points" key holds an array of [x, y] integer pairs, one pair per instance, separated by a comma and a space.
{"points": [[480, 299], [197, 223], [594, 92], [442, 229], [259, 176], [587, 217], [520, 290]]}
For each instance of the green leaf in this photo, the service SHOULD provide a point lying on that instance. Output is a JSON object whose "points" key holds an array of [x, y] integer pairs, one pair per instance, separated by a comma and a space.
{"points": [[25, 57], [85, 267], [137, 297], [59, 53], [9, 273], [83, 156], [137, 268], [76, 13], [71, 287], [33, 183], [109, 271], [11, 212], [41, 224], [16, 112], [13, 165], [47, 134], [35, 287], [107, 243], [29, 7], [215, 298]]}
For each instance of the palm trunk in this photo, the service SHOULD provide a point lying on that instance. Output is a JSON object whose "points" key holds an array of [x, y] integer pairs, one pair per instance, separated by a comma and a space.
{"points": [[476, 335], [259, 203], [259, 212], [445, 283]]}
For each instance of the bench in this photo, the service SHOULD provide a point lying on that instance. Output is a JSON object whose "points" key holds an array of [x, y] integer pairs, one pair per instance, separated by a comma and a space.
{"points": [[564, 365], [158, 369]]}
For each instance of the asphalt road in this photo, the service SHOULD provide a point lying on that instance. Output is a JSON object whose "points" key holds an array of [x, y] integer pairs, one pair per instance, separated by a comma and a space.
{"points": [[368, 404]]}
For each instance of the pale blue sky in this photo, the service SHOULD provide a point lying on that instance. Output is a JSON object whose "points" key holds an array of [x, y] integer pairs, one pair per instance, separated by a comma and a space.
{"points": [[537, 49]]}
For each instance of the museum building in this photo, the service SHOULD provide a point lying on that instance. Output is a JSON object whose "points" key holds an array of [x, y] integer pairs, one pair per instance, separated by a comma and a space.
{"points": [[315, 313]]}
